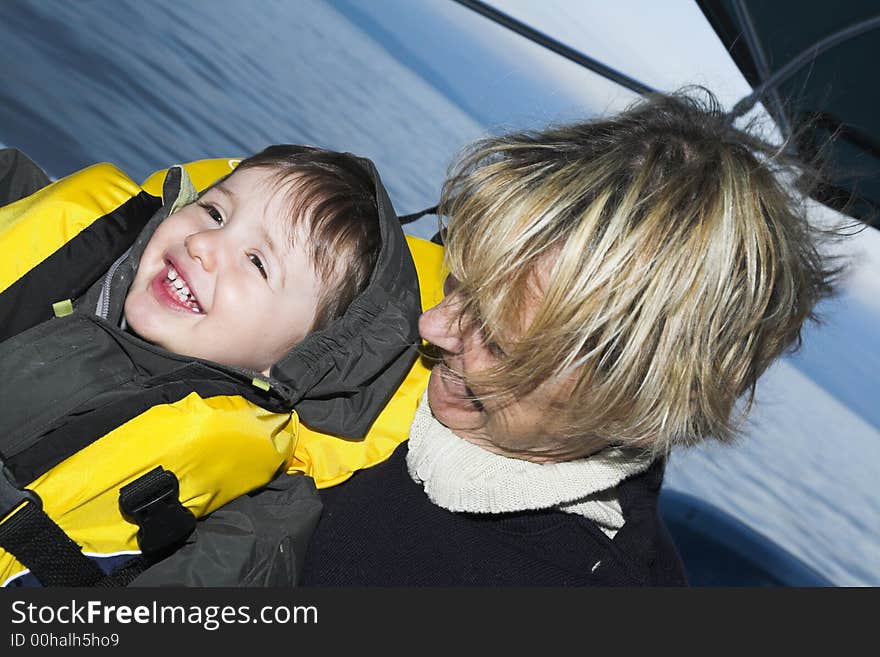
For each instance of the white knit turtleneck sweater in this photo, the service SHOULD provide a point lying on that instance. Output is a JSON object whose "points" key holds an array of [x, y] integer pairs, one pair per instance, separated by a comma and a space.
{"points": [[459, 476]]}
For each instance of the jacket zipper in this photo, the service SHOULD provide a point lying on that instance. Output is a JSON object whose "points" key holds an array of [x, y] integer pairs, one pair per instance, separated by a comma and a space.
{"points": [[103, 307]]}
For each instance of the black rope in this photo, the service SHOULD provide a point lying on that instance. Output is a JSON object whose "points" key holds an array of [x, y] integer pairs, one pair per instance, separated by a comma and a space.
{"points": [[556, 46], [743, 106], [753, 44], [800, 60]]}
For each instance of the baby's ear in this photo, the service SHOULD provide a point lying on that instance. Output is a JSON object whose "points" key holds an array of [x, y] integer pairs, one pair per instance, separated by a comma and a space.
{"points": [[178, 190]]}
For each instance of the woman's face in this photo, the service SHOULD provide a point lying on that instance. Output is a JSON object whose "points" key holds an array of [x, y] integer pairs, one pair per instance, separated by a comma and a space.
{"points": [[525, 427]]}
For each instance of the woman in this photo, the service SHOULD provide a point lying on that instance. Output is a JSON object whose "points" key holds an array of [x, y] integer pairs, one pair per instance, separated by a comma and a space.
{"points": [[615, 288]]}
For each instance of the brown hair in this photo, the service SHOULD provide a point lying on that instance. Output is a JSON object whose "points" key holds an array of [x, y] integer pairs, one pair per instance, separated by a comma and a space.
{"points": [[336, 196], [681, 265]]}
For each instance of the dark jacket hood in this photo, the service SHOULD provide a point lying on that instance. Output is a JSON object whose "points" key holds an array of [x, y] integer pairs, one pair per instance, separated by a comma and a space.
{"points": [[341, 377], [338, 379]]}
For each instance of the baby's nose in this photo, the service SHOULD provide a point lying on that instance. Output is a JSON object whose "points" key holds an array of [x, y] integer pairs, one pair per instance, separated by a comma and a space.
{"points": [[200, 246]]}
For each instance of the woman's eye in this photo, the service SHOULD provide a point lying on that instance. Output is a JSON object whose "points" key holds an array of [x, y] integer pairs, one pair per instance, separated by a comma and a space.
{"points": [[258, 264], [490, 344], [495, 349], [449, 285], [213, 212]]}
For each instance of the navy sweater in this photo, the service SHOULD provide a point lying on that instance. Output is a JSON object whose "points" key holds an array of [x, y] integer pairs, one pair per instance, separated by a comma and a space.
{"points": [[380, 529]]}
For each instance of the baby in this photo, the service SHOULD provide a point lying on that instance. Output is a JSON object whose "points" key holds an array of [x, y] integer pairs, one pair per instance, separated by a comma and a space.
{"points": [[270, 253], [192, 344]]}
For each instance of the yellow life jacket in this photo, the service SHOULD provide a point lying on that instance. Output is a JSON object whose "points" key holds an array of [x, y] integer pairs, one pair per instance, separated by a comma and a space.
{"points": [[219, 446]]}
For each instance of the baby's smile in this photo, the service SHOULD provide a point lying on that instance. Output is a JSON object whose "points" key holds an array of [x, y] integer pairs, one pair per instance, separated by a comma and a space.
{"points": [[172, 289]]}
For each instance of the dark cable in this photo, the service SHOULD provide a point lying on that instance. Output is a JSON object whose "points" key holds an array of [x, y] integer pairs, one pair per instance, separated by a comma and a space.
{"points": [[798, 62], [753, 44], [556, 46]]}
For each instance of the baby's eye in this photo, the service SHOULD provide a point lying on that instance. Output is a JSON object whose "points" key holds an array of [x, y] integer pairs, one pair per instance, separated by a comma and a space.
{"points": [[258, 264], [213, 212]]}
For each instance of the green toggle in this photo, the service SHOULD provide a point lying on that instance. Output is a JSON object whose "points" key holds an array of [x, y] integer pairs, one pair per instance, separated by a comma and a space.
{"points": [[262, 384], [62, 308]]}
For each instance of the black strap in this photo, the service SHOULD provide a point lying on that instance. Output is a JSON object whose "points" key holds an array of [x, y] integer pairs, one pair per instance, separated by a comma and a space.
{"points": [[38, 542], [409, 218], [152, 502], [33, 538], [125, 574]]}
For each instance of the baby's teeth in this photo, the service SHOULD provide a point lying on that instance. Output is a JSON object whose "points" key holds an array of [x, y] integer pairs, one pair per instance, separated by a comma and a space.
{"points": [[182, 290]]}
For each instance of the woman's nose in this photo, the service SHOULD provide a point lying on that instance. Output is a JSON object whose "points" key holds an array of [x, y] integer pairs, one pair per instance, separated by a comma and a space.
{"points": [[441, 326], [201, 246]]}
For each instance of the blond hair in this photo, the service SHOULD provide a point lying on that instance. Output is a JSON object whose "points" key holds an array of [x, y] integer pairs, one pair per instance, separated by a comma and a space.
{"points": [[677, 267]]}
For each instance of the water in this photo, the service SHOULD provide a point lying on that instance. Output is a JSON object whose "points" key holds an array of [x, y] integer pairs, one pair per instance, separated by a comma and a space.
{"points": [[145, 85]]}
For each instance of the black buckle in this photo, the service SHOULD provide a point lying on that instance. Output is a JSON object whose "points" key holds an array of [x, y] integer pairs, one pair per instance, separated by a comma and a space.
{"points": [[11, 494], [152, 502]]}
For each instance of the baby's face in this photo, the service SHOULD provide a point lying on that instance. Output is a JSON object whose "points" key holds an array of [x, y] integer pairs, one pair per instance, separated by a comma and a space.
{"points": [[220, 280]]}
